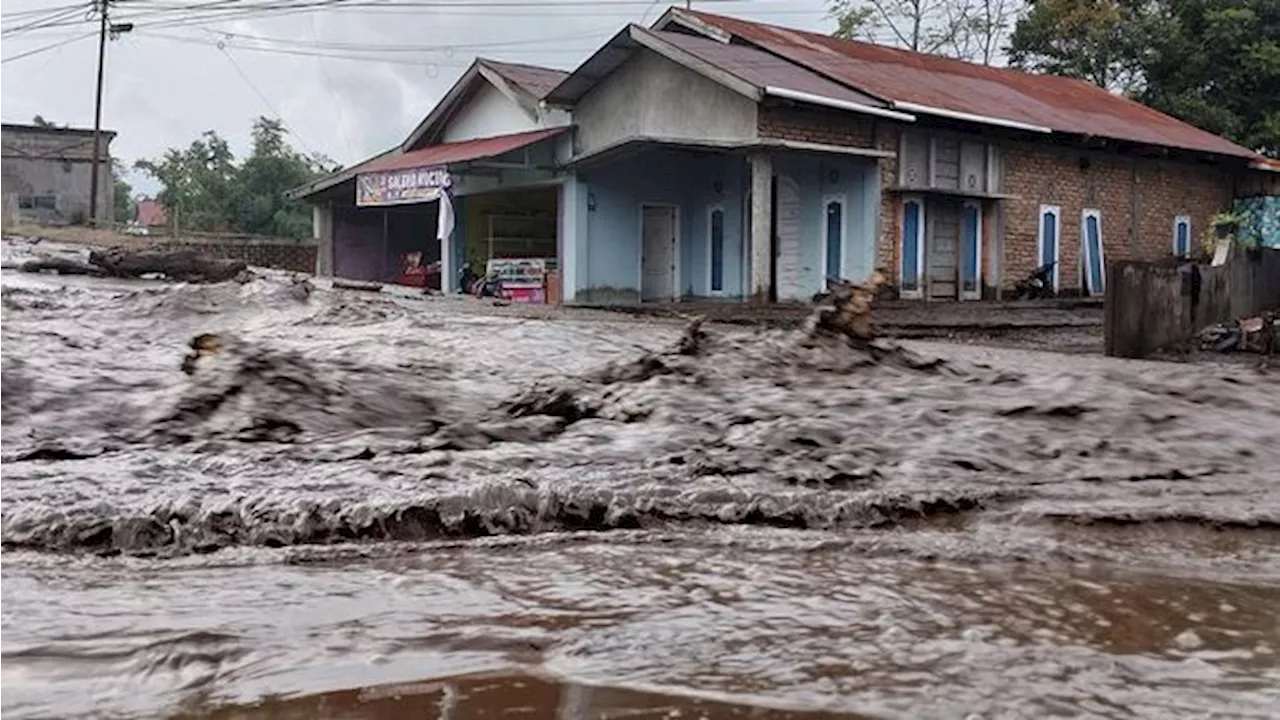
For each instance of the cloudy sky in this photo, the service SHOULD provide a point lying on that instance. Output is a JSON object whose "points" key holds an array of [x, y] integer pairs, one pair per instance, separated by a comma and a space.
{"points": [[349, 78]]}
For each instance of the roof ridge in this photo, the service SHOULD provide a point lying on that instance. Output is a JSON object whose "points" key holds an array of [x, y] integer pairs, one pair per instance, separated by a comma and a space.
{"points": [[932, 57], [529, 66]]}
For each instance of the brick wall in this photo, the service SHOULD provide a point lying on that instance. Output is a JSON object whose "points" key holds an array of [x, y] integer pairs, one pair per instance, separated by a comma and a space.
{"points": [[1138, 199], [298, 257], [815, 125], [887, 136]]}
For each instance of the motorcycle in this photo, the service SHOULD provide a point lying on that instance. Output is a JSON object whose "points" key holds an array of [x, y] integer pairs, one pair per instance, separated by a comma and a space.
{"points": [[1036, 286]]}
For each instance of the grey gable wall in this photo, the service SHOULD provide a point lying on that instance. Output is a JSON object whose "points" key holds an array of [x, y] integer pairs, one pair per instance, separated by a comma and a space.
{"points": [[651, 96]]}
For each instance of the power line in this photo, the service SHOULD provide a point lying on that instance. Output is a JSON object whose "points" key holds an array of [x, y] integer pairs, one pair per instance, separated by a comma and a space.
{"points": [[45, 48], [328, 84], [366, 47], [265, 100], [52, 19]]}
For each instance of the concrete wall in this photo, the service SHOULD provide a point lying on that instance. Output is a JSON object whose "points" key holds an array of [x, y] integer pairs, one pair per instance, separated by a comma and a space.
{"points": [[652, 96], [699, 181], [488, 113], [1157, 306], [57, 164], [610, 271], [823, 177]]}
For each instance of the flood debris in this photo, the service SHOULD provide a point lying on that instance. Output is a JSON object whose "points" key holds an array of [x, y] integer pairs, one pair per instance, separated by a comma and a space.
{"points": [[60, 266], [361, 285], [846, 309], [1254, 335], [183, 265]]}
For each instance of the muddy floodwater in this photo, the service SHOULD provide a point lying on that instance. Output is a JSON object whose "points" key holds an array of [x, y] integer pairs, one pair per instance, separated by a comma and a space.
{"points": [[391, 506]]}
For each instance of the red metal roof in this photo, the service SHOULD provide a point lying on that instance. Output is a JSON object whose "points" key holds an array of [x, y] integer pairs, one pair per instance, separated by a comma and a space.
{"points": [[539, 81], [455, 152], [760, 68], [1061, 104]]}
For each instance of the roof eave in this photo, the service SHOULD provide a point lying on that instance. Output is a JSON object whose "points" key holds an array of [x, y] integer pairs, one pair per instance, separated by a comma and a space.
{"points": [[615, 51], [443, 109], [315, 187]]}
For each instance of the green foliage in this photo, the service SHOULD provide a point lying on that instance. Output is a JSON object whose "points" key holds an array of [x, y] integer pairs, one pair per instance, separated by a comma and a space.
{"points": [[1212, 63], [853, 21], [205, 189], [1101, 41], [121, 195], [1216, 64]]}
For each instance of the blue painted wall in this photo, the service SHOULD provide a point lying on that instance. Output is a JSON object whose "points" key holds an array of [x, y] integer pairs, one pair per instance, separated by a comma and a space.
{"points": [[693, 182], [819, 178]]}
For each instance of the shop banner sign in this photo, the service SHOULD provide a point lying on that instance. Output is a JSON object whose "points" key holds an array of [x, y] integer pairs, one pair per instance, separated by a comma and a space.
{"points": [[401, 187], [518, 270]]}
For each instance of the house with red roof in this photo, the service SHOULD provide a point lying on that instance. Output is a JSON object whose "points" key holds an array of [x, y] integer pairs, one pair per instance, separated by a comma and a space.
{"points": [[711, 157], [476, 183]]}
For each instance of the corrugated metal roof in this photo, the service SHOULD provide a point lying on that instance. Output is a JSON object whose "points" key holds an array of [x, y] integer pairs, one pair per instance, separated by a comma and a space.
{"points": [[538, 81], [1062, 104], [762, 69], [456, 152]]}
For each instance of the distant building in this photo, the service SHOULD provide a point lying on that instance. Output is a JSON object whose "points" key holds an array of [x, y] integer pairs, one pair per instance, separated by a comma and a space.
{"points": [[48, 171], [151, 213]]}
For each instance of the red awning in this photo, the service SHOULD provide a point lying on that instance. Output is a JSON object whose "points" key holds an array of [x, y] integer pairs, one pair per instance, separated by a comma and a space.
{"points": [[446, 153]]}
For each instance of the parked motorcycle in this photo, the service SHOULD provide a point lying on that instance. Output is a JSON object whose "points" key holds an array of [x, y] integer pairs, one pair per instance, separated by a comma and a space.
{"points": [[1036, 286]]}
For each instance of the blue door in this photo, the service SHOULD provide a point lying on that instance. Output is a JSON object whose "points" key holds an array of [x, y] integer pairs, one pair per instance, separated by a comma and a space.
{"points": [[1182, 237], [970, 249], [912, 224], [1049, 238], [835, 239], [717, 250], [1093, 252]]}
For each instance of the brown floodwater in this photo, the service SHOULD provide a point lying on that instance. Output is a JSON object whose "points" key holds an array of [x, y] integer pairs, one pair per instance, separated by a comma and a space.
{"points": [[392, 506]]}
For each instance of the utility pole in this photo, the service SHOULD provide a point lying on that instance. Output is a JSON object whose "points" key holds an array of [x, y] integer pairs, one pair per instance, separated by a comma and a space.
{"points": [[97, 116], [104, 29]]}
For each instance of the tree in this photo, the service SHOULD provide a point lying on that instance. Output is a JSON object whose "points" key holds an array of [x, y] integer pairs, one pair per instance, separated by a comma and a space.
{"points": [[122, 194], [1096, 40], [205, 189], [966, 29], [197, 183], [273, 167], [1212, 63], [1216, 65]]}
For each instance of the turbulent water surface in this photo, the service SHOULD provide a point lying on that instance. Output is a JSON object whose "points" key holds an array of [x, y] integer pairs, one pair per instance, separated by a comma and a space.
{"points": [[384, 505]]}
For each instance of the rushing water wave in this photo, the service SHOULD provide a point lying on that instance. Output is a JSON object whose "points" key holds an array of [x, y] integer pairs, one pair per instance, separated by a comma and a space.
{"points": [[401, 486]]}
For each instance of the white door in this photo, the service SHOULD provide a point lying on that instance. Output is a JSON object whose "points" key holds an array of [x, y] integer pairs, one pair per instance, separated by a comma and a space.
{"points": [[789, 272], [658, 258]]}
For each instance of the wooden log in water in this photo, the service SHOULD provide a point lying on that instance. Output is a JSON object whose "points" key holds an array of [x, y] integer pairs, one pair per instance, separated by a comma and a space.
{"points": [[186, 265], [61, 266]]}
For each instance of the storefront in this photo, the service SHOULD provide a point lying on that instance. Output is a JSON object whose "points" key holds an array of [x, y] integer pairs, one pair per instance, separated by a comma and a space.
{"points": [[435, 216]]}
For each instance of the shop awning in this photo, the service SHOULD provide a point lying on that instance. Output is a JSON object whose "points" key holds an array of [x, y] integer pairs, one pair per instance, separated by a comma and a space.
{"points": [[456, 152], [422, 175]]}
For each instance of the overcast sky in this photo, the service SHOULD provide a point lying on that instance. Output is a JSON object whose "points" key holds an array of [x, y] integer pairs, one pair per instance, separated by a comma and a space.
{"points": [[347, 81]]}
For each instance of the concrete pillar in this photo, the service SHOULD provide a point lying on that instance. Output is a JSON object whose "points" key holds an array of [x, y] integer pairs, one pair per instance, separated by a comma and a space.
{"points": [[448, 276], [573, 239], [761, 227], [322, 230]]}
